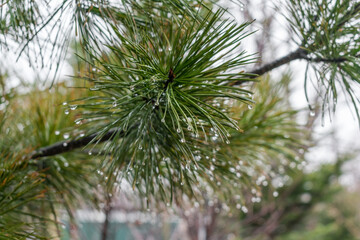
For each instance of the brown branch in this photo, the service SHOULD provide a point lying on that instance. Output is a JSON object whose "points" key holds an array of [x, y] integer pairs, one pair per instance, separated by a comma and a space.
{"points": [[329, 60], [66, 146], [300, 53]]}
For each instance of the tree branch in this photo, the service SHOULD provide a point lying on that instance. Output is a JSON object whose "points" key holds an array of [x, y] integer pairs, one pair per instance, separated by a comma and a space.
{"points": [[66, 146], [329, 60], [300, 53]]}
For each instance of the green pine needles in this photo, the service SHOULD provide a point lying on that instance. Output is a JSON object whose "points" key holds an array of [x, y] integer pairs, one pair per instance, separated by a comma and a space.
{"points": [[163, 86], [329, 34]]}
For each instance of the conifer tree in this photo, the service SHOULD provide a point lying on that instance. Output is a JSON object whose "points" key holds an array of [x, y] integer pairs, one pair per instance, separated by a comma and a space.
{"points": [[165, 99]]}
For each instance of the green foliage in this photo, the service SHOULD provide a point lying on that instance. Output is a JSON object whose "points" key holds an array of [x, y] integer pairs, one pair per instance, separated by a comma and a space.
{"points": [[162, 74], [328, 31], [42, 186], [161, 86]]}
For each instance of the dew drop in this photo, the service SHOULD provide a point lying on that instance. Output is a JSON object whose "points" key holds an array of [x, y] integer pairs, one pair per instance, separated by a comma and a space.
{"points": [[312, 113], [238, 206], [66, 112], [178, 130], [90, 153], [250, 107], [244, 209], [64, 103], [163, 120], [275, 194], [65, 144], [66, 164], [77, 122], [57, 133], [66, 135], [182, 140], [82, 134], [227, 142], [114, 104], [140, 147], [73, 107]]}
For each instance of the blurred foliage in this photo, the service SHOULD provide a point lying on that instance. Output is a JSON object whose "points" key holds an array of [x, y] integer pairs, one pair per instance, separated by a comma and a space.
{"points": [[56, 183], [306, 206]]}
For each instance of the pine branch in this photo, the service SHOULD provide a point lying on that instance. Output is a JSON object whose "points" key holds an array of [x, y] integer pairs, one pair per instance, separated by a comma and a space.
{"points": [[66, 146], [329, 60], [298, 54]]}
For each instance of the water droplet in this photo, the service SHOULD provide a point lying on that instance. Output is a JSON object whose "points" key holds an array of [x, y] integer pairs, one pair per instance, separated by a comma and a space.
{"points": [[57, 133], [163, 120], [73, 107], [77, 122], [140, 147], [227, 142], [275, 194], [64, 103], [189, 128], [114, 104], [90, 153], [66, 112], [238, 206], [312, 113], [244, 209], [66, 135], [250, 107], [178, 130], [66, 164], [82, 134], [65, 144], [182, 140]]}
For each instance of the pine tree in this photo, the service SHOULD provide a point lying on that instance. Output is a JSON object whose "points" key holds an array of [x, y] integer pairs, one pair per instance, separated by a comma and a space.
{"points": [[165, 99]]}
